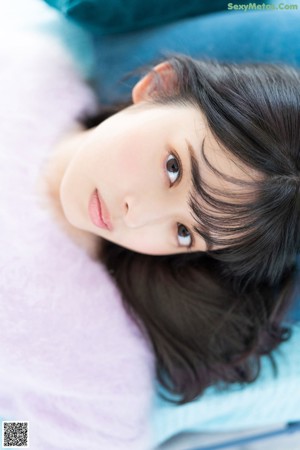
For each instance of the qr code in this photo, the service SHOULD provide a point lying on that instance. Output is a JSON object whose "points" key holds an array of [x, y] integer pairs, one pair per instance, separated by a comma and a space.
{"points": [[15, 434]]}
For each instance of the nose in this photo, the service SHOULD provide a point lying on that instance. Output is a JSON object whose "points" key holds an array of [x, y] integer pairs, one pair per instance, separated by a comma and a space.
{"points": [[142, 213]]}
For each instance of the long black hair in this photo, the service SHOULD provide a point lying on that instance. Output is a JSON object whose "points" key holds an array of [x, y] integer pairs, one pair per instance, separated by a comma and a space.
{"points": [[210, 316]]}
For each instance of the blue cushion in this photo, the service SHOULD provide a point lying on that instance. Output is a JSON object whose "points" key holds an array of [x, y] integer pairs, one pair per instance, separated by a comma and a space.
{"points": [[231, 36], [116, 16]]}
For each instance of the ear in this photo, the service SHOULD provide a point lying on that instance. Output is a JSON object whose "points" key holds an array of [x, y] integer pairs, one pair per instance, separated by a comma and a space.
{"points": [[161, 76]]}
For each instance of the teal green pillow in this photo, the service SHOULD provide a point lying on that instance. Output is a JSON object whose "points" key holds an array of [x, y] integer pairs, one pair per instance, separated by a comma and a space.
{"points": [[117, 16]]}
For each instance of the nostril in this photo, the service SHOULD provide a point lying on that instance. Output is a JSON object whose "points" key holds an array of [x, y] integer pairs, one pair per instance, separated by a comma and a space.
{"points": [[126, 207]]}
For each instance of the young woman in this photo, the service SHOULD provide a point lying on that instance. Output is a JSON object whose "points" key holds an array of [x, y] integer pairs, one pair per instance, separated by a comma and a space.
{"points": [[190, 196]]}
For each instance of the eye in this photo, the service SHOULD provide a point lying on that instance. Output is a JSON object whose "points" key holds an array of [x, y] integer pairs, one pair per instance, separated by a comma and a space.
{"points": [[174, 172], [184, 236], [173, 167]]}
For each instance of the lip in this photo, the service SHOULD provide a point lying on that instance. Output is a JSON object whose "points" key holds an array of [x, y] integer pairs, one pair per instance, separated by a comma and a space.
{"points": [[98, 211]]}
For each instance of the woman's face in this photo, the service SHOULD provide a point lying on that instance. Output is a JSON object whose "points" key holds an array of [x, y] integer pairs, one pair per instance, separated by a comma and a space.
{"points": [[139, 161]]}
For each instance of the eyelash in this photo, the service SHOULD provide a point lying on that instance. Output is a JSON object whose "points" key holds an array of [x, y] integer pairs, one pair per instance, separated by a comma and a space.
{"points": [[177, 158]]}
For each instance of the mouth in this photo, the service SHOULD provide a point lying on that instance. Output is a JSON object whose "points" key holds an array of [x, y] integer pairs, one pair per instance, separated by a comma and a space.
{"points": [[98, 212]]}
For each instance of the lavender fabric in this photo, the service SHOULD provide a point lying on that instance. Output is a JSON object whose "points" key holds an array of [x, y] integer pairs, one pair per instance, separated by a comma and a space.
{"points": [[72, 362]]}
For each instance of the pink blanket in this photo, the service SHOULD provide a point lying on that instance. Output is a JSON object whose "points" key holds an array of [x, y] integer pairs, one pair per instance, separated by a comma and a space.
{"points": [[72, 363]]}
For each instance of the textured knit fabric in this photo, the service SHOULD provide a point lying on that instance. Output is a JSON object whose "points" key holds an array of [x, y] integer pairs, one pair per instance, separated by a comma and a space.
{"points": [[72, 362]]}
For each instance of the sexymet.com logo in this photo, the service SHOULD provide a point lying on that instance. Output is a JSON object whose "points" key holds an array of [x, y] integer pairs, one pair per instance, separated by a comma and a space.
{"points": [[261, 7]]}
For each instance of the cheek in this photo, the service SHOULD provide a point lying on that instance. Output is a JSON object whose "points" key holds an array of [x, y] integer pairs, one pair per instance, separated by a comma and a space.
{"points": [[132, 163]]}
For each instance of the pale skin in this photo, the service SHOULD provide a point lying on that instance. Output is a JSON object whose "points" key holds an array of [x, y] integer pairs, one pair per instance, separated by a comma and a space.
{"points": [[132, 159]]}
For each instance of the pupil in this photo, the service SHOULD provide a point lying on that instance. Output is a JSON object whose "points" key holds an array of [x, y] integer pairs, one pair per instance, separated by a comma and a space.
{"points": [[172, 165], [183, 231]]}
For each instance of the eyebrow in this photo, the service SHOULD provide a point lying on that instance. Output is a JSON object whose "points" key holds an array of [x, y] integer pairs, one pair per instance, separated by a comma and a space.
{"points": [[195, 173]]}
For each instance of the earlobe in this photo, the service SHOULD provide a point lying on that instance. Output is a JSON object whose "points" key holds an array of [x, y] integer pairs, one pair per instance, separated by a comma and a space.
{"points": [[162, 77]]}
